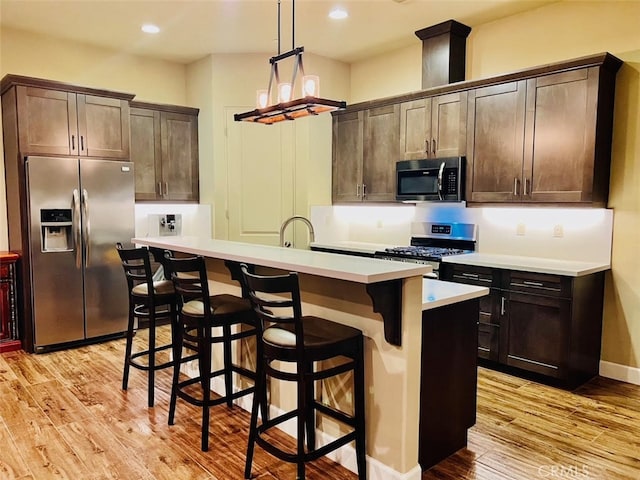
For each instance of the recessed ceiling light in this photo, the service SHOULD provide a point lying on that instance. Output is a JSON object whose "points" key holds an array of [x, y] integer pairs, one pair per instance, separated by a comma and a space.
{"points": [[338, 13], [149, 28]]}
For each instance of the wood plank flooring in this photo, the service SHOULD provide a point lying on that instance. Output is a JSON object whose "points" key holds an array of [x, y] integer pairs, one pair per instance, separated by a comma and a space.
{"points": [[63, 415]]}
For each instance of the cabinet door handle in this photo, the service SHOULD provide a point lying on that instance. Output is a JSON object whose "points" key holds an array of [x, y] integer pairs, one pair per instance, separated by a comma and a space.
{"points": [[160, 188], [73, 143], [166, 188], [81, 143], [426, 146], [364, 190], [526, 190], [502, 310], [533, 284], [470, 275], [515, 186], [357, 190], [433, 142]]}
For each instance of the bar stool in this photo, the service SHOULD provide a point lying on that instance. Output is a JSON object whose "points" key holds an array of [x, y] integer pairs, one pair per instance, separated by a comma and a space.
{"points": [[160, 304], [287, 336], [197, 314]]}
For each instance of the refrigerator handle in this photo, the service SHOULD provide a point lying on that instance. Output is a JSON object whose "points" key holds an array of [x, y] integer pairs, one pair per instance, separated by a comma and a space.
{"points": [[87, 226], [76, 227]]}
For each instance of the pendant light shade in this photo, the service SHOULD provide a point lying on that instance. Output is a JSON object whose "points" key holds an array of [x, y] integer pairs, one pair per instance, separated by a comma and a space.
{"points": [[288, 107]]}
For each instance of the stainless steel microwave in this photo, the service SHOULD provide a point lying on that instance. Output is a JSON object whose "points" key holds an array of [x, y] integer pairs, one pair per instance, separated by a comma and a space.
{"points": [[432, 179]]}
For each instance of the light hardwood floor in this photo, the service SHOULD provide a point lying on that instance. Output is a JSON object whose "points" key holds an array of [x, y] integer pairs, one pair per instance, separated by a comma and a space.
{"points": [[63, 415]]}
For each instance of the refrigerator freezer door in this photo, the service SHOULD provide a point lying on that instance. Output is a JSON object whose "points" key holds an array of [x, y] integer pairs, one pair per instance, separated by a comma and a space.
{"points": [[107, 193], [55, 278]]}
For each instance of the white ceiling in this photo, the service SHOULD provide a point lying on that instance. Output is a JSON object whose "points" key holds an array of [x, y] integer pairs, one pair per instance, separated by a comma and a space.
{"points": [[192, 29]]}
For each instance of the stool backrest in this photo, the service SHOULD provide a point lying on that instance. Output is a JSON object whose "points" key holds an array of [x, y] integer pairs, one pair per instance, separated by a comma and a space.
{"points": [[189, 277], [137, 266], [276, 301]]}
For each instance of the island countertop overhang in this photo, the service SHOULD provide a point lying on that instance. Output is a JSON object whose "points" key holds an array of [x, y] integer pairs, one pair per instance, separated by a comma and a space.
{"points": [[354, 269]]}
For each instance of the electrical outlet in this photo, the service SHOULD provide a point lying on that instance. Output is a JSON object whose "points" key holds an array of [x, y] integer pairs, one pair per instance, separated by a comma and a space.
{"points": [[558, 230], [521, 228]]}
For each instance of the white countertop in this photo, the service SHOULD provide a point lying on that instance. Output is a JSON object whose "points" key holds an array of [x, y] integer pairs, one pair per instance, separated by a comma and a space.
{"points": [[437, 293], [357, 247], [567, 268], [332, 265]]}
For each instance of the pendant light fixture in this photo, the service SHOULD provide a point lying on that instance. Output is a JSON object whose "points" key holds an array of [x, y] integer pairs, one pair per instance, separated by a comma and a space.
{"points": [[288, 106]]}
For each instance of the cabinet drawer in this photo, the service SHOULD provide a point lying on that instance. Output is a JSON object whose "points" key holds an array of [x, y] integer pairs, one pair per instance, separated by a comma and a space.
{"points": [[470, 275], [540, 284], [488, 342]]}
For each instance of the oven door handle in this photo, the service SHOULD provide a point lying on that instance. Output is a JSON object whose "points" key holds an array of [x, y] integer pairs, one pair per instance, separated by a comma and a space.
{"points": [[440, 175]]}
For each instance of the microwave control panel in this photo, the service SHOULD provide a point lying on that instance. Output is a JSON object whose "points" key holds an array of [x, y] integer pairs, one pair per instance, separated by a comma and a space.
{"points": [[450, 181]]}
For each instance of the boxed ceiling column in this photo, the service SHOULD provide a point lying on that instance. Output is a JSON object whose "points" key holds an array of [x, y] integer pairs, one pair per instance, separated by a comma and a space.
{"points": [[443, 53]]}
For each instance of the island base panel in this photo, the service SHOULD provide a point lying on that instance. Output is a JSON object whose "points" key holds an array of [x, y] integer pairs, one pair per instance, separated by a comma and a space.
{"points": [[448, 380]]}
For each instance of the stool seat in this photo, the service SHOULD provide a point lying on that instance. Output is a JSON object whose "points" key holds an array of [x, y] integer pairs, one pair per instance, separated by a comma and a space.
{"points": [[219, 304], [318, 334], [160, 287]]}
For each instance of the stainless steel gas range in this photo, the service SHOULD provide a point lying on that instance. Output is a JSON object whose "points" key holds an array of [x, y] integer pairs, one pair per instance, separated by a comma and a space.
{"points": [[432, 241]]}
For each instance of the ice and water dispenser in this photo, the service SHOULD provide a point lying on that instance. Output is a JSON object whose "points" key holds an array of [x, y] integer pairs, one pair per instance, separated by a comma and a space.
{"points": [[56, 227]]}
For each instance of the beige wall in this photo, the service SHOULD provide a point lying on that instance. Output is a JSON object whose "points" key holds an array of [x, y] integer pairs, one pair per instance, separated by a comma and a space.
{"points": [[549, 34]]}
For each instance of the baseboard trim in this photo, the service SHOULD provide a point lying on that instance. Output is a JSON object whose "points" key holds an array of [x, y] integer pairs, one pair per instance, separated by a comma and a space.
{"points": [[623, 373]]}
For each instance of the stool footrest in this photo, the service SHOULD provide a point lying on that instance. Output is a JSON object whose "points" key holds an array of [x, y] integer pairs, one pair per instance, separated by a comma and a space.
{"points": [[199, 402], [146, 353]]}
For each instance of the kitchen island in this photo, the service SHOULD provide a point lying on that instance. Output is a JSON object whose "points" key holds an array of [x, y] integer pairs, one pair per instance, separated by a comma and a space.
{"points": [[371, 295]]}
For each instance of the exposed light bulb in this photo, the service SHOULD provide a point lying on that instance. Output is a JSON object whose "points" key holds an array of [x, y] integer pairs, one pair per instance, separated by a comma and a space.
{"points": [[284, 92], [262, 98], [311, 86]]}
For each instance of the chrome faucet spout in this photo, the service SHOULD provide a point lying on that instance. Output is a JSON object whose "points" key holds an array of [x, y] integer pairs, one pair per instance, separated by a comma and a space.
{"points": [[285, 224]]}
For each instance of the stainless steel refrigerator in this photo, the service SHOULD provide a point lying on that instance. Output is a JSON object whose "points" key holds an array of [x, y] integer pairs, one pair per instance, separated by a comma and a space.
{"points": [[78, 209]]}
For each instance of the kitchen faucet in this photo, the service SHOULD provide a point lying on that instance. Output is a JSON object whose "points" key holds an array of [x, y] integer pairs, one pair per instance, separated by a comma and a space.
{"points": [[285, 224]]}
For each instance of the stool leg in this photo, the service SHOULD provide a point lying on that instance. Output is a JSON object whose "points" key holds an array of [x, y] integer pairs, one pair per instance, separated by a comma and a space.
{"points": [[204, 360], [152, 354], [128, 347], [301, 419], [259, 400], [177, 334], [228, 367], [359, 407], [309, 409]]}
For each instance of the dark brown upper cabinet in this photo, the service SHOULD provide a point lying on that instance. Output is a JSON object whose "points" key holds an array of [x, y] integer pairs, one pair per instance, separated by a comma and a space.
{"points": [[365, 148], [164, 149], [537, 136], [433, 127], [543, 140], [495, 139], [55, 118], [561, 161]]}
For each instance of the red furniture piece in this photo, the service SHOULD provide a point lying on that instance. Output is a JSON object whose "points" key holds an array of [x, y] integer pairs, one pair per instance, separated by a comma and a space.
{"points": [[9, 335]]}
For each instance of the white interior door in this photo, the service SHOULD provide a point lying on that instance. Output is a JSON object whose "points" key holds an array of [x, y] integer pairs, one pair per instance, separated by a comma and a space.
{"points": [[260, 184]]}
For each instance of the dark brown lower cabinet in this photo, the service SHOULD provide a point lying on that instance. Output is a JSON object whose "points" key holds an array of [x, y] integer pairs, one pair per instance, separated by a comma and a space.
{"points": [[546, 325]]}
